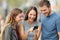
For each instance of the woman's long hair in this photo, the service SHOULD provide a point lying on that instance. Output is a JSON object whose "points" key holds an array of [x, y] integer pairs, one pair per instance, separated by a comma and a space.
{"points": [[10, 19]]}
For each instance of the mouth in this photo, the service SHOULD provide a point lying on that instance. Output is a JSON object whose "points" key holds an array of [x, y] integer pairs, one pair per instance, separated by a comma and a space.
{"points": [[45, 13], [31, 19]]}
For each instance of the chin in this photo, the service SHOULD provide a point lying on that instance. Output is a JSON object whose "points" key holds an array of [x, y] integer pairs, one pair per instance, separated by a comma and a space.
{"points": [[31, 20], [45, 15]]}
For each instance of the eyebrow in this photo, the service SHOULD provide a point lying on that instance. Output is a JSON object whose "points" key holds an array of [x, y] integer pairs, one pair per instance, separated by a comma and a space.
{"points": [[43, 10]]}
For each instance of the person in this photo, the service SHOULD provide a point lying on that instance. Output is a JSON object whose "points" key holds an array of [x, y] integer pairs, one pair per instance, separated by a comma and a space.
{"points": [[11, 25], [50, 21], [1, 22], [27, 27]]}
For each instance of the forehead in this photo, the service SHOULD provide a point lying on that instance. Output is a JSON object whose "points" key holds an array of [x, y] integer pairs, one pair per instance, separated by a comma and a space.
{"points": [[32, 12], [20, 14], [43, 7]]}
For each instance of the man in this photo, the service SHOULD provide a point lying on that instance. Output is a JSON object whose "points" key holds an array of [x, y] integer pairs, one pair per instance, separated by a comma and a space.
{"points": [[50, 22]]}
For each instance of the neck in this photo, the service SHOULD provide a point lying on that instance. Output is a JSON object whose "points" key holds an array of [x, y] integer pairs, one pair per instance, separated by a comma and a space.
{"points": [[50, 13]]}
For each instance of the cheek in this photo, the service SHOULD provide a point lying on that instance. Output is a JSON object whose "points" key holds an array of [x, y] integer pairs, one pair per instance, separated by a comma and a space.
{"points": [[34, 17], [47, 10], [17, 18], [29, 16]]}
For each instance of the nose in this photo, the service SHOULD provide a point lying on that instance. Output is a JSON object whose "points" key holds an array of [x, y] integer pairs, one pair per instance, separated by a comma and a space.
{"points": [[32, 16]]}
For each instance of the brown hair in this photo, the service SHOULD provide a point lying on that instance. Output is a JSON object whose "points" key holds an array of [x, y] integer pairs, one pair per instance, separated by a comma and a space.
{"points": [[44, 2], [13, 14], [35, 9], [10, 18]]}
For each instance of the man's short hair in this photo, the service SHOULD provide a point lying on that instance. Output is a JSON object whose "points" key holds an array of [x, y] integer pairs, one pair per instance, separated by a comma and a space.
{"points": [[44, 2]]}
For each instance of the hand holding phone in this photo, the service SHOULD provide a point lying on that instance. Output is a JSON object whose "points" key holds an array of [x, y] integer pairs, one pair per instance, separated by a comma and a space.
{"points": [[35, 27]]}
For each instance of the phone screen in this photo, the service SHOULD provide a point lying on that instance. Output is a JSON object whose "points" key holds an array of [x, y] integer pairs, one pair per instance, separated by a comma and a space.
{"points": [[35, 27]]}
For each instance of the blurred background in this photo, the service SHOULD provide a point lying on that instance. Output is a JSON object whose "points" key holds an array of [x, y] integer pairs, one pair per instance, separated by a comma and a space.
{"points": [[7, 5]]}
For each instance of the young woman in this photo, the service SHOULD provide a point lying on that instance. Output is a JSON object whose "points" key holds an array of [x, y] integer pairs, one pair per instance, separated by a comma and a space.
{"points": [[11, 25], [28, 32]]}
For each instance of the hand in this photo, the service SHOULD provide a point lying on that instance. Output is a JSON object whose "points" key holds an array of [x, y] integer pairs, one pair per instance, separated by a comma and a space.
{"points": [[31, 29], [35, 31]]}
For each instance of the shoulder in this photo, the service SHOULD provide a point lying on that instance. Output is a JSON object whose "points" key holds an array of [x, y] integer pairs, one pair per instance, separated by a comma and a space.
{"points": [[8, 27], [24, 22], [38, 23], [57, 15]]}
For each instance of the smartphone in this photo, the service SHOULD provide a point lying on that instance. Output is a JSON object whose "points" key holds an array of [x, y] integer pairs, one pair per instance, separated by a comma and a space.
{"points": [[35, 27]]}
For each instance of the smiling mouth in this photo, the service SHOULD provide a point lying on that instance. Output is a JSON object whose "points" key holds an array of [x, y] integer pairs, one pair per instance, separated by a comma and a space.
{"points": [[45, 13], [31, 19]]}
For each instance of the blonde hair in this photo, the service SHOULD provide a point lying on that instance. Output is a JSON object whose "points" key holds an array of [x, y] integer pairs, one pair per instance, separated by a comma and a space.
{"points": [[6, 23], [4, 27], [10, 18]]}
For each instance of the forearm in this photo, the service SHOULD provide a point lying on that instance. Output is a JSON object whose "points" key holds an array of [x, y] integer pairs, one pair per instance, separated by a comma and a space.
{"points": [[59, 35], [25, 35], [39, 32], [35, 37]]}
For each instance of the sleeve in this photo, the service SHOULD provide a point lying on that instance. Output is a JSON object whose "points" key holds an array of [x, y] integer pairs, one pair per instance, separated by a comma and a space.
{"points": [[7, 34], [58, 24], [39, 24]]}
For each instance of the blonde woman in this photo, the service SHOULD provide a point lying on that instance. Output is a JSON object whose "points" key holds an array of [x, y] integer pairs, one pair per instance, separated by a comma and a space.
{"points": [[10, 29]]}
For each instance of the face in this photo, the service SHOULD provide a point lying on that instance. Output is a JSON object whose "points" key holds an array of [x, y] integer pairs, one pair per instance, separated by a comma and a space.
{"points": [[32, 15], [19, 17], [45, 10]]}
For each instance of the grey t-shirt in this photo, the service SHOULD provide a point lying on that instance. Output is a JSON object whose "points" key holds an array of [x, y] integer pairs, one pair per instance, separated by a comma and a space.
{"points": [[28, 26]]}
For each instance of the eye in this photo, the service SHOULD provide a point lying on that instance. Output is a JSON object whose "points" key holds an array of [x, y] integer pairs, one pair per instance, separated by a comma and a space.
{"points": [[44, 10], [21, 16], [31, 14], [34, 15]]}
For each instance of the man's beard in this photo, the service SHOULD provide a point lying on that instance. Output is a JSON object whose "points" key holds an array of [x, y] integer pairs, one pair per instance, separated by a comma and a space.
{"points": [[49, 13]]}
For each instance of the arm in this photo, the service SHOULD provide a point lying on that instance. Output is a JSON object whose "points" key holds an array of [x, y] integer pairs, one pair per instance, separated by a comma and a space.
{"points": [[37, 33], [59, 35], [22, 34], [58, 27]]}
